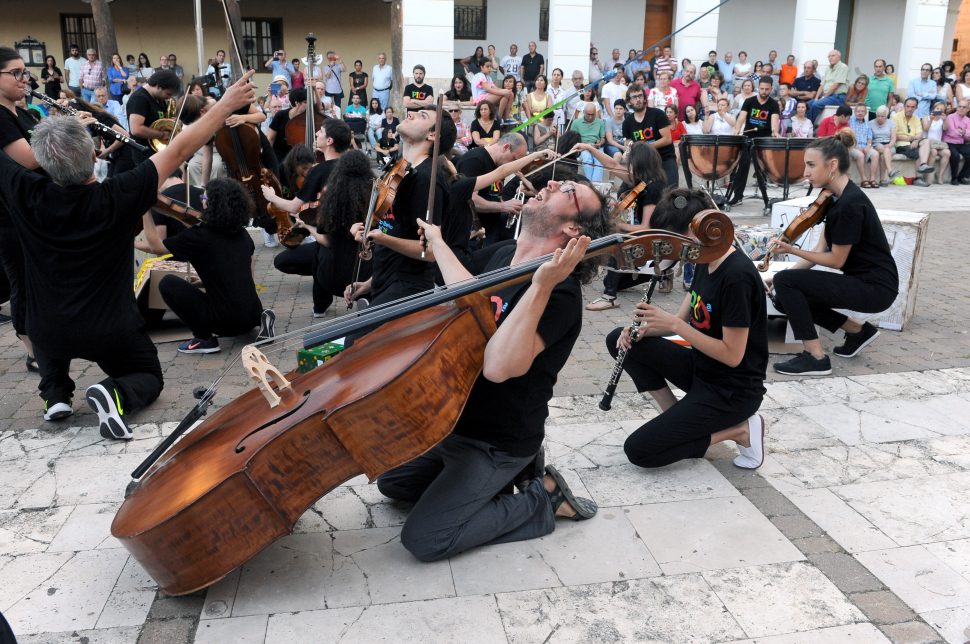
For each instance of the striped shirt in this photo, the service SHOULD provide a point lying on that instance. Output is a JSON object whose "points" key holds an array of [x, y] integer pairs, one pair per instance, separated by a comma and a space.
{"points": [[92, 74]]}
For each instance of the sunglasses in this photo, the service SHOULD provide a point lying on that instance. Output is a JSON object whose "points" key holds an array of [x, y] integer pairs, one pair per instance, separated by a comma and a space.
{"points": [[455, 111]]}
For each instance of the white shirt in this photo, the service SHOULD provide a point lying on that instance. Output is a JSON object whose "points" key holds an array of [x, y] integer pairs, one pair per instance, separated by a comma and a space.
{"points": [[480, 85], [73, 68], [612, 91], [511, 64], [381, 77]]}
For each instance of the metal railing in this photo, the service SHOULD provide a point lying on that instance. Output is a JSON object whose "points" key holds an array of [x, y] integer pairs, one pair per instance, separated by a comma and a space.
{"points": [[470, 22]]}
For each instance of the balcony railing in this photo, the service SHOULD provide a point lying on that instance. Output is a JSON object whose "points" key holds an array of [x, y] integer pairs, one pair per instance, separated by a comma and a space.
{"points": [[470, 22]]}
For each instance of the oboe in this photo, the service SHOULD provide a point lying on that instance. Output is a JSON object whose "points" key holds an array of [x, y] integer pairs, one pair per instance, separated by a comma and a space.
{"points": [[607, 401], [101, 127]]}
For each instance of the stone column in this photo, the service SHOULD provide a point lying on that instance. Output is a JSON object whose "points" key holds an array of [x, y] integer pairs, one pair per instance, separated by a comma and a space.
{"points": [[428, 38], [923, 27], [814, 34], [570, 24], [698, 39]]}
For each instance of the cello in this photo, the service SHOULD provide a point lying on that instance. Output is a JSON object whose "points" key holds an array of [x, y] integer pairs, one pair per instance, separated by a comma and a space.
{"points": [[238, 481]]}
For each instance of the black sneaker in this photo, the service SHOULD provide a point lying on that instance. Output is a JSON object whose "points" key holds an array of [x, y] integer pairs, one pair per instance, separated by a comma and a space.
{"points": [[106, 403], [856, 342], [57, 410], [267, 325], [805, 364], [195, 345]]}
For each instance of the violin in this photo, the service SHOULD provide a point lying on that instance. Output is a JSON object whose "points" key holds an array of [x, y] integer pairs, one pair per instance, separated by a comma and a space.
{"points": [[178, 210], [240, 480], [628, 200], [807, 219]]}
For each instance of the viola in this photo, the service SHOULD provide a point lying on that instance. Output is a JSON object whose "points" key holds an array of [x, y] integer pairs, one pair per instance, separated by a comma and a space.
{"points": [[628, 200], [178, 210], [242, 478], [807, 219], [383, 198]]}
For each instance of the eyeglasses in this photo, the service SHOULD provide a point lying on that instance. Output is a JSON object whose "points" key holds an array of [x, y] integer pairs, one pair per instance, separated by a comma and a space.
{"points": [[18, 74], [569, 188]]}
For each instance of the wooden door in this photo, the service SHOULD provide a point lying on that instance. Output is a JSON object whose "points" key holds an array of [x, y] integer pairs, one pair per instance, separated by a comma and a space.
{"points": [[658, 22]]}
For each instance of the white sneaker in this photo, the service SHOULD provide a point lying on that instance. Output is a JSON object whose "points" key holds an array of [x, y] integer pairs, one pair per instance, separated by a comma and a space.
{"points": [[269, 241], [57, 411], [751, 458]]}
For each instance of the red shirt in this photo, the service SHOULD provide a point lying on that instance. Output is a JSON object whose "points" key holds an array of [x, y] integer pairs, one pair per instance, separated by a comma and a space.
{"points": [[677, 132], [828, 126], [686, 95]]}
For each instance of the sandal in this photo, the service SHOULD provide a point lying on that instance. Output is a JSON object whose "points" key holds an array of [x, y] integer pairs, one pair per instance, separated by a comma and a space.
{"points": [[873, 184], [602, 303], [585, 508], [865, 184]]}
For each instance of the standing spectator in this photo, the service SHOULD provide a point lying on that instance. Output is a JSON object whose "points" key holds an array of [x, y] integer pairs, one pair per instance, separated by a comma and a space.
{"points": [[591, 131], [52, 77], [833, 87], [688, 91], [801, 127], [614, 60], [130, 64], [557, 93], [533, 66], [742, 68], [359, 81], [218, 74], [862, 152], [474, 62], [806, 86], [595, 66], [512, 63], [923, 89], [145, 69], [910, 141], [613, 91], [417, 94], [332, 71], [934, 126], [788, 71], [858, 93], [665, 63], [162, 63], [884, 143], [92, 75], [637, 63], [72, 65], [279, 66], [726, 67], [496, 64], [957, 136], [382, 76], [880, 88], [173, 64], [298, 79], [944, 93], [710, 64], [663, 94], [117, 78]]}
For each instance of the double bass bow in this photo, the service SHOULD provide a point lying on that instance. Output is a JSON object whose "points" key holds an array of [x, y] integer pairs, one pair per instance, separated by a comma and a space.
{"points": [[202, 506]]}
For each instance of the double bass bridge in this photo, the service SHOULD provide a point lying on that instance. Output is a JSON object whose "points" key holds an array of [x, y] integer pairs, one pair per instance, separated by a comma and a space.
{"points": [[265, 375]]}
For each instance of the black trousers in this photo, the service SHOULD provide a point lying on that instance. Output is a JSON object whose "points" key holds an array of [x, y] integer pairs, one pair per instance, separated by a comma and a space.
{"points": [[807, 297], [12, 262], [739, 178], [615, 282], [130, 360], [957, 151], [670, 169], [304, 260], [200, 313], [684, 430]]}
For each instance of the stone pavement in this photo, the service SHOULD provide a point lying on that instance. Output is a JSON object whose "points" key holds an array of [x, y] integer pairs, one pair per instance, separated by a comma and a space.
{"points": [[857, 527]]}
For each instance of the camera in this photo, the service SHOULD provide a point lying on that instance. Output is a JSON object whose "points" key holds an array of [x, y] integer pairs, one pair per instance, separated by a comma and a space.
{"points": [[937, 112]]}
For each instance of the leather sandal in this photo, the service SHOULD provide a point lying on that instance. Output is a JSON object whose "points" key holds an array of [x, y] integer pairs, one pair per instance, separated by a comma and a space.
{"points": [[602, 304], [585, 508]]}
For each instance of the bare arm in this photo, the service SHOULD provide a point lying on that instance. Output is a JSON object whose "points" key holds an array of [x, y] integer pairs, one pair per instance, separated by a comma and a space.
{"points": [[20, 152]]}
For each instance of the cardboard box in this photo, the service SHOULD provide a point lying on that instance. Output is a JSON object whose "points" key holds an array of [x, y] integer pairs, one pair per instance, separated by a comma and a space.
{"points": [[310, 359]]}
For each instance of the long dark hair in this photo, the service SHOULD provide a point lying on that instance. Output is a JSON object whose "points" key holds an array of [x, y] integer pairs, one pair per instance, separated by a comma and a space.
{"points": [[7, 54], [299, 155], [370, 108], [228, 206], [644, 164], [347, 194], [834, 147], [464, 94]]}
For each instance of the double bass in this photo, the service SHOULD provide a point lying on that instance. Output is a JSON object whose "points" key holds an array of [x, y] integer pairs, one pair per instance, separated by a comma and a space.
{"points": [[202, 506]]}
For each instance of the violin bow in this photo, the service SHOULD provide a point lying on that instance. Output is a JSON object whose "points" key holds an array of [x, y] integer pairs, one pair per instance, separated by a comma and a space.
{"points": [[435, 151]]}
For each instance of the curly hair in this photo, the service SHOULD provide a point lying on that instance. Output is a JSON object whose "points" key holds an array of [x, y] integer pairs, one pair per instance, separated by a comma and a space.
{"points": [[346, 197], [228, 206], [299, 157]]}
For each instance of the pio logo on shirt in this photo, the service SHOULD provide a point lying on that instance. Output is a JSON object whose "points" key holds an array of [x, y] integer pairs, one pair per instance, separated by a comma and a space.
{"points": [[646, 134]]}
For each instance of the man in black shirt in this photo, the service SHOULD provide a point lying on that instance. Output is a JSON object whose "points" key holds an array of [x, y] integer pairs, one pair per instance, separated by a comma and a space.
{"points": [[722, 372], [401, 265], [806, 86], [145, 106], [460, 486], [77, 240], [651, 125], [276, 134], [418, 95], [493, 211], [759, 117], [533, 65]]}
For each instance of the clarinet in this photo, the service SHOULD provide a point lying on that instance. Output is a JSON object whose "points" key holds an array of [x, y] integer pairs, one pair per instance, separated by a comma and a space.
{"points": [[101, 127], [607, 401]]}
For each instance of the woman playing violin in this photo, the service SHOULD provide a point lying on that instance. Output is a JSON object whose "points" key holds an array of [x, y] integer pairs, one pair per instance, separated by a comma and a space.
{"points": [[724, 320], [853, 242]]}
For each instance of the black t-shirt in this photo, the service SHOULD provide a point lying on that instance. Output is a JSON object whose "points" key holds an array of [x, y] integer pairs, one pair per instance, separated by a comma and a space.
{"points": [[390, 125], [13, 127], [530, 66], [278, 125], [759, 116], [852, 221], [648, 129], [810, 84], [418, 92], [477, 162], [52, 87], [410, 203], [223, 262], [458, 219], [511, 415], [649, 196], [476, 126], [142, 103], [78, 254], [315, 180], [177, 192], [731, 296], [357, 81]]}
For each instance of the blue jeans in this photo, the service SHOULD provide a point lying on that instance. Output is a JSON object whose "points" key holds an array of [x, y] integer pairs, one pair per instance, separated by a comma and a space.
{"points": [[591, 168], [87, 94], [815, 107], [372, 137], [610, 150], [383, 95]]}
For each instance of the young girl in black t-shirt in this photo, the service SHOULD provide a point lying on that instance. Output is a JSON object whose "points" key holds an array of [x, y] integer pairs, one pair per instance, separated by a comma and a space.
{"points": [[854, 242], [221, 251], [724, 320]]}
